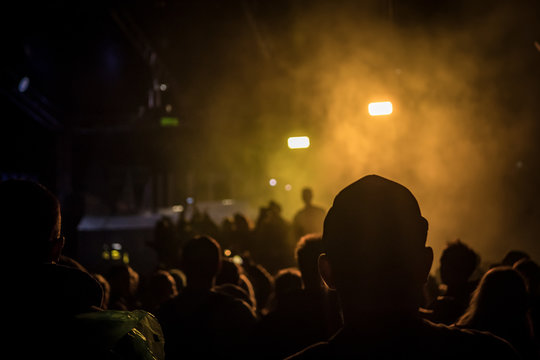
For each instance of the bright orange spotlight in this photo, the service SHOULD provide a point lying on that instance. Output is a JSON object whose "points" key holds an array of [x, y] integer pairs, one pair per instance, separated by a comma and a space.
{"points": [[298, 142], [380, 108]]}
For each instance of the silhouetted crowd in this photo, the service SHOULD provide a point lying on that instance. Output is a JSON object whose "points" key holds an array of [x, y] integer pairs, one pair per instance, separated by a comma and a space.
{"points": [[353, 282]]}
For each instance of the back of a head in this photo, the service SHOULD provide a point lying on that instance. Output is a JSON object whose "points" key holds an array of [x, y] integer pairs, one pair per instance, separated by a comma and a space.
{"points": [[241, 222], [262, 282], [30, 218], [307, 195], [123, 280], [179, 278], [458, 262], [374, 237], [228, 273], [163, 284], [501, 296], [307, 252], [287, 281], [164, 229], [513, 256], [530, 271], [201, 258]]}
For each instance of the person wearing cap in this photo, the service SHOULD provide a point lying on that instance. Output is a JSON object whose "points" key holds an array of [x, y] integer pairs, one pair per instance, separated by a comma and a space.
{"points": [[376, 258]]}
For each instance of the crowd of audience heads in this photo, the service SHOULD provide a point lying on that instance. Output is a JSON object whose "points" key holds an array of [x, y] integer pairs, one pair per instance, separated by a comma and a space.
{"points": [[363, 285]]}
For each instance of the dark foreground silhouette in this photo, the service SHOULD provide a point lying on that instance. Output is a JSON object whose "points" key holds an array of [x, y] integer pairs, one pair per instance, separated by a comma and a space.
{"points": [[375, 257]]}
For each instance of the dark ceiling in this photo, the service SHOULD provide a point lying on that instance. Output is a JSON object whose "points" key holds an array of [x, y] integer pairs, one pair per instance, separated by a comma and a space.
{"points": [[91, 65], [95, 67]]}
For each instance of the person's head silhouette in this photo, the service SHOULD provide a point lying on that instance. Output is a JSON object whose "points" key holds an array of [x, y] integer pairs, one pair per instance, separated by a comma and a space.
{"points": [[375, 254], [201, 262], [307, 195], [500, 305], [499, 299], [458, 263], [307, 252], [30, 217]]}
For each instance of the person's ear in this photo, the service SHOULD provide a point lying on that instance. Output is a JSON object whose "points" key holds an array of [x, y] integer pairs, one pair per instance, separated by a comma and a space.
{"points": [[56, 248], [325, 270]]}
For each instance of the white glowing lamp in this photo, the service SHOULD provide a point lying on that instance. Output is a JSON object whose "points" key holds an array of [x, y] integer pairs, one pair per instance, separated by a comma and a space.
{"points": [[298, 142], [380, 108]]}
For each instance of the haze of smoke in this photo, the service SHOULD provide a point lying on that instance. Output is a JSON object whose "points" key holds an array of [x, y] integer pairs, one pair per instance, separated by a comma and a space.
{"points": [[448, 140]]}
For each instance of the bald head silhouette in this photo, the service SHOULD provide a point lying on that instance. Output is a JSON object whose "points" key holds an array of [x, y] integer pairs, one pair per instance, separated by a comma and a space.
{"points": [[376, 259], [374, 240]]}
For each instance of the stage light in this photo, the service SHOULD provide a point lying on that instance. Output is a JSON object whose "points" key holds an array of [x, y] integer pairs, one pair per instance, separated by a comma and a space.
{"points": [[298, 142], [189, 200], [163, 87], [227, 252], [115, 255], [237, 259], [23, 84], [273, 182], [380, 108], [288, 187], [177, 208], [116, 246]]}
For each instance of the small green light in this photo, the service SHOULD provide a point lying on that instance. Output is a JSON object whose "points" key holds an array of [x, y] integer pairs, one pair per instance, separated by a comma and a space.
{"points": [[167, 121]]}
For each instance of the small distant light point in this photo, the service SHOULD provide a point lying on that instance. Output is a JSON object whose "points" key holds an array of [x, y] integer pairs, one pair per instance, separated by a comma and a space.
{"points": [[227, 252], [237, 259], [272, 182], [23, 84], [177, 208], [288, 187], [163, 87], [189, 200]]}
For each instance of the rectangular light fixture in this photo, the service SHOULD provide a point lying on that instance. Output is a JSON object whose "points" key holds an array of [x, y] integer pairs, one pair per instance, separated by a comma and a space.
{"points": [[380, 108], [298, 142]]}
